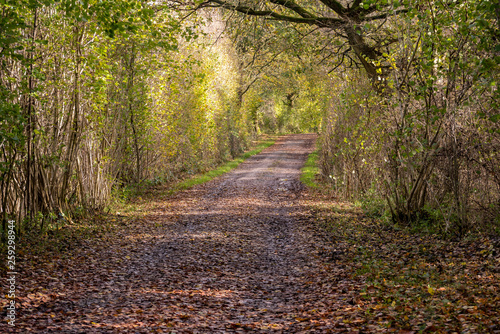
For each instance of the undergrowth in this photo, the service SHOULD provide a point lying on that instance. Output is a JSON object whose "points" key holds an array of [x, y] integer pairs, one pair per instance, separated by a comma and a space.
{"points": [[412, 280], [310, 171]]}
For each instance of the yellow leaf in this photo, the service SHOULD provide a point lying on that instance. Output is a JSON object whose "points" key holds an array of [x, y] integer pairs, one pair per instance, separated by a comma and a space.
{"points": [[431, 290]]}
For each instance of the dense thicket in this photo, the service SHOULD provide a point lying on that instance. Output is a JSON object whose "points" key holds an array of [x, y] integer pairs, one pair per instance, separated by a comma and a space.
{"points": [[96, 95], [429, 146], [412, 127]]}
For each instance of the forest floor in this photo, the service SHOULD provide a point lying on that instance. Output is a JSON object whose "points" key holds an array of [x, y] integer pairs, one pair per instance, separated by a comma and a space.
{"points": [[254, 250]]}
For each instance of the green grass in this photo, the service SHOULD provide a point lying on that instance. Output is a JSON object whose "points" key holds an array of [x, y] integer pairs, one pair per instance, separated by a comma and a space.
{"points": [[132, 199], [310, 170]]}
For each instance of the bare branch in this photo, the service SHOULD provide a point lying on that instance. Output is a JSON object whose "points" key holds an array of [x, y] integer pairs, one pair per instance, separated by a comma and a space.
{"points": [[355, 4], [385, 15], [335, 6], [323, 22], [338, 65], [293, 6]]}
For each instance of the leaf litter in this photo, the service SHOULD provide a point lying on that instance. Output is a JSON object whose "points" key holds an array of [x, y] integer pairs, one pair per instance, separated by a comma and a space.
{"points": [[253, 251]]}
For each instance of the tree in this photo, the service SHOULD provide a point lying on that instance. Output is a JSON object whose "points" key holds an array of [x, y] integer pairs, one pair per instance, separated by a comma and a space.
{"points": [[359, 23], [429, 146]]}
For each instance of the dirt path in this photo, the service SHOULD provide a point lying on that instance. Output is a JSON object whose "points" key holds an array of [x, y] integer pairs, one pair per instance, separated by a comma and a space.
{"points": [[235, 254]]}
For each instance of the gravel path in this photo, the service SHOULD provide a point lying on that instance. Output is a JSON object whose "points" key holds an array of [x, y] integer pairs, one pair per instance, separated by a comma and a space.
{"points": [[236, 254]]}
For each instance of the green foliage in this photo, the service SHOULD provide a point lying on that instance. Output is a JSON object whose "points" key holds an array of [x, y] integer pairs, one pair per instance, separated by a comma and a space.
{"points": [[310, 171], [297, 103], [372, 205], [105, 95], [424, 144], [449, 69], [352, 138], [100, 94]]}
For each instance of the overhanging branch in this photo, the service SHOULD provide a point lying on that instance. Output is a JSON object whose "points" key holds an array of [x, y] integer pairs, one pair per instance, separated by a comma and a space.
{"points": [[384, 15], [335, 6], [323, 22], [294, 7]]}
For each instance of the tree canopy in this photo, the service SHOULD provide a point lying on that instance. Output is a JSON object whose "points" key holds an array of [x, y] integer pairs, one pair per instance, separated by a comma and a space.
{"points": [[360, 23]]}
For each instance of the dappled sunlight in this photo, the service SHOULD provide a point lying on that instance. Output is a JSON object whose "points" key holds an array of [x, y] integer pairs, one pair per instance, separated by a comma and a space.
{"points": [[271, 166]]}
